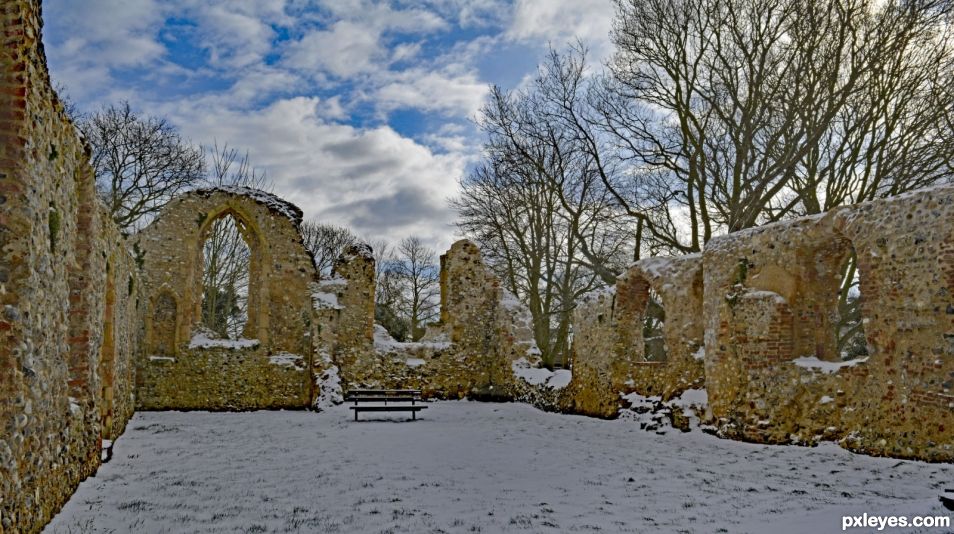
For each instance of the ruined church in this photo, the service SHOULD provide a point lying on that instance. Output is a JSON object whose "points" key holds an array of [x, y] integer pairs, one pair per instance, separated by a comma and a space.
{"points": [[95, 325]]}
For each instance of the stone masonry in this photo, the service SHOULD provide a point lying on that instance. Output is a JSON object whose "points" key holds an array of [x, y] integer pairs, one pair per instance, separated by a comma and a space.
{"points": [[95, 324], [768, 312], [69, 326], [268, 369]]}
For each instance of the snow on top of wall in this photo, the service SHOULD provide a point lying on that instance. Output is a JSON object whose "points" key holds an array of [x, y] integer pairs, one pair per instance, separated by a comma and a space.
{"points": [[727, 241], [414, 362], [657, 266], [384, 342], [358, 250], [558, 379], [161, 359], [272, 202], [383, 339], [287, 359], [762, 294], [811, 362], [324, 294], [202, 339]]}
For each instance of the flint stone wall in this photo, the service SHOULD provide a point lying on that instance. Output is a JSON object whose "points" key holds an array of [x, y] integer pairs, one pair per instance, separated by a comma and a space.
{"points": [[68, 293], [769, 329], [608, 347], [471, 350], [174, 372]]}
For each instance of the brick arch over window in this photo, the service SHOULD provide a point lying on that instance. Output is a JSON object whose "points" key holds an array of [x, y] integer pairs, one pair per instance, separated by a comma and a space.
{"points": [[677, 281], [280, 272]]}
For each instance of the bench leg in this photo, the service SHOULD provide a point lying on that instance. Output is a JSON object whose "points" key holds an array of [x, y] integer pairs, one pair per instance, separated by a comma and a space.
{"points": [[356, 415], [414, 416]]}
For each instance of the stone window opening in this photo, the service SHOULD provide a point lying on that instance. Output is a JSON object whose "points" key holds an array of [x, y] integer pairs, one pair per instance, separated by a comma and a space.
{"points": [[851, 342], [226, 264], [654, 321]]}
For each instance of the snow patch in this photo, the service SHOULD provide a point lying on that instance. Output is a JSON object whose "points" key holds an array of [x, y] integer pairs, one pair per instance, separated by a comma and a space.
{"points": [[825, 400], [384, 342], [75, 408], [162, 359], [692, 397], [324, 294], [287, 359], [329, 386], [202, 340], [415, 362], [558, 379], [700, 354], [813, 363]]}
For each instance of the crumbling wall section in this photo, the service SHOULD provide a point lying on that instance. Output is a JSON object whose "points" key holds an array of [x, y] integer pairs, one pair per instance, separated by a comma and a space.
{"points": [[57, 249], [268, 367], [608, 344], [772, 370], [470, 351]]}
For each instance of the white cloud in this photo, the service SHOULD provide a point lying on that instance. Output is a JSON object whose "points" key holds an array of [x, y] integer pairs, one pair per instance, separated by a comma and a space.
{"points": [[344, 50], [89, 47], [379, 183], [234, 37], [433, 91], [256, 67], [559, 21]]}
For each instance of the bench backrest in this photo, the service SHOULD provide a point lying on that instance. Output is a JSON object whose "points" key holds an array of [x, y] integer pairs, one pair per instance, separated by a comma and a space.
{"points": [[383, 394]]}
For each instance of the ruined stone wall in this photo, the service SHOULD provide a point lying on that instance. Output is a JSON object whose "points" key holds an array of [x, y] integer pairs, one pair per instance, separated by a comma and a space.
{"points": [[268, 368], [608, 343], [771, 367], [64, 270], [470, 351]]}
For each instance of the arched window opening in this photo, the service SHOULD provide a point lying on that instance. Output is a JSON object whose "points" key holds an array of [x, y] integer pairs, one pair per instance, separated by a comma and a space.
{"points": [[225, 276], [849, 329], [654, 320]]}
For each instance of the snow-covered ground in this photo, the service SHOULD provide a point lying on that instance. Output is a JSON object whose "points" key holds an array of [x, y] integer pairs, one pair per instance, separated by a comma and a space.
{"points": [[475, 467]]}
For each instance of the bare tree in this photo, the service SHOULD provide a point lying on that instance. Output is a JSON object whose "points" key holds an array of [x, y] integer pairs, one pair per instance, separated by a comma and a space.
{"points": [[140, 162], [750, 111], [532, 243], [418, 275], [388, 292], [326, 242]]}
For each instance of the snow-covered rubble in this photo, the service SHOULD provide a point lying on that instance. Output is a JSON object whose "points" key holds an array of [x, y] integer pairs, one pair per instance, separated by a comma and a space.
{"points": [[534, 376], [655, 415], [329, 387]]}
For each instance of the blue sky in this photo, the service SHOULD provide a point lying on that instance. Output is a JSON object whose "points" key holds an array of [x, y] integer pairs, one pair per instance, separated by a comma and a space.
{"points": [[360, 112]]}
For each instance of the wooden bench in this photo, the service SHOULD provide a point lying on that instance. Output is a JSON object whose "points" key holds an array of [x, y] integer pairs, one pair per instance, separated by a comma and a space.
{"points": [[397, 397]]}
